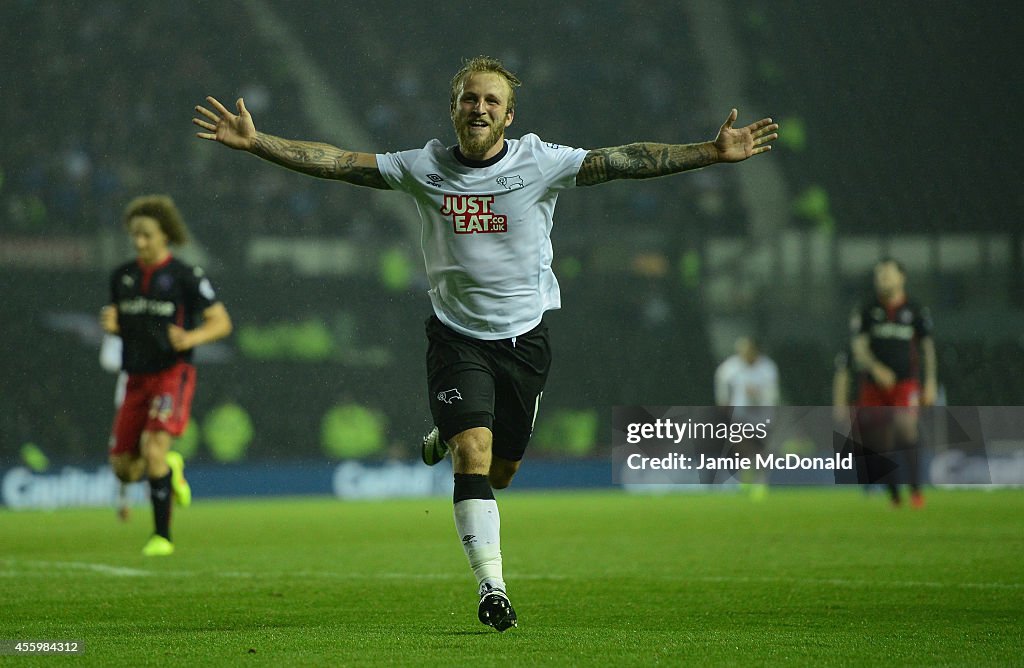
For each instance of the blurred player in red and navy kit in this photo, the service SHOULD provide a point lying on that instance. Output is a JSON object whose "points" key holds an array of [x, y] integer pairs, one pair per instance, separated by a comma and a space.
{"points": [[892, 345], [161, 308]]}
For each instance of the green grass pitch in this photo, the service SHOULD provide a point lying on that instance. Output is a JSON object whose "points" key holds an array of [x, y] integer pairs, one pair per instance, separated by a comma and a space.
{"points": [[806, 577]]}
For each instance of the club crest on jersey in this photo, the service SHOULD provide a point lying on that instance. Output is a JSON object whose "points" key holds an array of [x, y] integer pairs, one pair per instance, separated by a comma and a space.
{"points": [[472, 214], [514, 182]]}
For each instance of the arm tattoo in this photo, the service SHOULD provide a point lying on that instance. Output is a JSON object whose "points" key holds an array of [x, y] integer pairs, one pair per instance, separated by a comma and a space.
{"points": [[643, 160], [316, 159]]}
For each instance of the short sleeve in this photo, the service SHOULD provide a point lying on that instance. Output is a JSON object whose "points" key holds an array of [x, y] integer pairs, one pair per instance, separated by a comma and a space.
{"points": [[859, 321], [396, 168], [200, 290], [842, 360], [559, 164]]}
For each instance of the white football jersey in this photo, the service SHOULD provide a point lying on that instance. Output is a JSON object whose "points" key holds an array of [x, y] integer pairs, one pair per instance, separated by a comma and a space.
{"points": [[740, 384], [486, 234]]}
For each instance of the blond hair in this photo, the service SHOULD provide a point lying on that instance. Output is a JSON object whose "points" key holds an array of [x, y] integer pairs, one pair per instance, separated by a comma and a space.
{"points": [[485, 64]]}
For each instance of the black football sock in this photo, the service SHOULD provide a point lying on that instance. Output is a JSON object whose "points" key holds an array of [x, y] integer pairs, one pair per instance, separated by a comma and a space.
{"points": [[912, 460], [471, 486], [160, 495]]}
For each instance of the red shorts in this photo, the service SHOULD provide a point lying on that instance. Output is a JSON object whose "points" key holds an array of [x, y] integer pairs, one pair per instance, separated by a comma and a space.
{"points": [[905, 393], [160, 401]]}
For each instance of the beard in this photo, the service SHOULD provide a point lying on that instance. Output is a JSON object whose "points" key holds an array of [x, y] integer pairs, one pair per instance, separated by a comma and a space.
{"points": [[471, 143]]}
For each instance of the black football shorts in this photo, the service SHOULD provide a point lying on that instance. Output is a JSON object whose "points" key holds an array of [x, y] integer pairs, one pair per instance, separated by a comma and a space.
{"points": [[494, 384]]}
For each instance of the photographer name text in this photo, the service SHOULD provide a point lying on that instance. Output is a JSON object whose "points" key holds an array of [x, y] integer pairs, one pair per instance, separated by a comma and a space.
{"points": [[791, 462]]}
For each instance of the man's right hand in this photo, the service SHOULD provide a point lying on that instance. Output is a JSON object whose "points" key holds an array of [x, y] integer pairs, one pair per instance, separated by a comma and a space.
{"points": [[108, 319], [883, 376], [234, 130]]}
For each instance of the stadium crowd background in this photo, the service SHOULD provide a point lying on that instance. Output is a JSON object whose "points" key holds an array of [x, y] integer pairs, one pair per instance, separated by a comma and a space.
{"points": [[895, 140]]}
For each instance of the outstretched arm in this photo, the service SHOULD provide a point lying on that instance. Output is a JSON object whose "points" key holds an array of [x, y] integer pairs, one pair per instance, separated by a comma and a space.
{"points": [[314, 158], [644, 160]]}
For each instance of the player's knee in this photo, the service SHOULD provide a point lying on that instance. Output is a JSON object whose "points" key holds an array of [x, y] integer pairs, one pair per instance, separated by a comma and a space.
{"points": [[128, 469], [154, 447], [501, 473], [471, 448], [122, 474]]}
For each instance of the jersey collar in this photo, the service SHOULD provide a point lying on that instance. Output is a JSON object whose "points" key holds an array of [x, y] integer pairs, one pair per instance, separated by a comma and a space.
{"points": [[481, 163], [153, 267], [893, 305]]}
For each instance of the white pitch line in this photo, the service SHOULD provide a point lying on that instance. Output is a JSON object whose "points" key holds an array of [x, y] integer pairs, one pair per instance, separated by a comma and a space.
{"points": [[841, 582], [339, 575], [46, 568], [105, 569]]}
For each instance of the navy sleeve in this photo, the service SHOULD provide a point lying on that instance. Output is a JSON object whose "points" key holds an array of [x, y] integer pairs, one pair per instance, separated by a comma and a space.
{"points": [[199, 291]]}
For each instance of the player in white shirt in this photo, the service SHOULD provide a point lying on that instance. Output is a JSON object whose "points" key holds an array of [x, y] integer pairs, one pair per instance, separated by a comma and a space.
{"points": [[747, 382], [747, 378], [487, 206]]}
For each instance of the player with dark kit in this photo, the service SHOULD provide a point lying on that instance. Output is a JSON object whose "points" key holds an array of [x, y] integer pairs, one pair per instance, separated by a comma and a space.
{"points": [[162, 309], [892, 345]]}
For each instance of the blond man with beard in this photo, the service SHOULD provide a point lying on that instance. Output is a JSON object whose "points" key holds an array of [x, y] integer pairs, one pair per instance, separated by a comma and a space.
{"points": [[487, 206]]}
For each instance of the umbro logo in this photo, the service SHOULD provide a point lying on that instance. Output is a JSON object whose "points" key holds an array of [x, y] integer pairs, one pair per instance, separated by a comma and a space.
{"points": [[127, 280], [434, 179], [468, 539], [449, 396]]}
